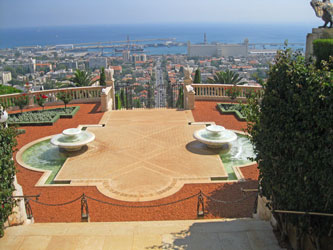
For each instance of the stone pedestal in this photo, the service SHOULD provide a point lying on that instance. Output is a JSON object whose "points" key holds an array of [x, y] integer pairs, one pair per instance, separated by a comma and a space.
{"points": [[189, 97], [19, 215], [188, 76], [109, 81], [317, 33]]}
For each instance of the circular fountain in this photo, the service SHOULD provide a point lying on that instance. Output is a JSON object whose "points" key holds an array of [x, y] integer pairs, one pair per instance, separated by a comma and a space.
{"points": [[215, 136], [72, 139]]}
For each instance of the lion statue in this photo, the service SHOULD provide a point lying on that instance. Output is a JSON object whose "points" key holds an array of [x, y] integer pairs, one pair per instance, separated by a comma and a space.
{"points": [[323, 9]]}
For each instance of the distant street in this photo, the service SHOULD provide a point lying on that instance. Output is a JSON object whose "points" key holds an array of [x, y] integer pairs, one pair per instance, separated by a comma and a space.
{"points": [[160, 93]]}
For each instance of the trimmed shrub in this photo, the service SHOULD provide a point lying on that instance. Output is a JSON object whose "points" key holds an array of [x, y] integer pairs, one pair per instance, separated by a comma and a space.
{"points": [[322, 50]]}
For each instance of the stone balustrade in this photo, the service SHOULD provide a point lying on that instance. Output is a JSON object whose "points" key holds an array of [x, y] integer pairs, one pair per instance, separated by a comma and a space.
{"points": [[220, 91], [80, 95], [215, 92]]}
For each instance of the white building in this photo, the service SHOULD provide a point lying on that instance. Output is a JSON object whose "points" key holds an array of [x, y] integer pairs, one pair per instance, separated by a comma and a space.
{"points": [[98, 62], [218, 50], [5, 76], [139, 57], [64, 46], [126, 56]]}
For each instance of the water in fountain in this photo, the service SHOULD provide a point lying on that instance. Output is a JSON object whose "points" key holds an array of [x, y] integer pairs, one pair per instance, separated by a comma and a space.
{"points": [[45, 156], [240, 152]]}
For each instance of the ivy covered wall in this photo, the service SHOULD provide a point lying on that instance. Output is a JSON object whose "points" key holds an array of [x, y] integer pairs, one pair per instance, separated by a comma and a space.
{"points": [[7, 173]]}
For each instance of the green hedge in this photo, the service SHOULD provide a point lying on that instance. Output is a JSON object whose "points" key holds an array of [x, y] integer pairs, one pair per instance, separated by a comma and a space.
{"points": [[291, 129], [235, 109], [42, 118], [322, 49]]}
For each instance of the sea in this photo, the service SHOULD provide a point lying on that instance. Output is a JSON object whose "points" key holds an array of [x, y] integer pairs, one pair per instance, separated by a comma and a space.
{"points": [[215, 32]]}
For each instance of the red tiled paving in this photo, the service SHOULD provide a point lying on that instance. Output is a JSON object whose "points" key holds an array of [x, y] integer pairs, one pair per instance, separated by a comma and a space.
{"points": [[90, 114], [205, 111]]}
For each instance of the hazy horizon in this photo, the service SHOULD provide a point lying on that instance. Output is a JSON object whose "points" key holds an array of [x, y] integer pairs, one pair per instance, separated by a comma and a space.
{"points": [[171, 24]]}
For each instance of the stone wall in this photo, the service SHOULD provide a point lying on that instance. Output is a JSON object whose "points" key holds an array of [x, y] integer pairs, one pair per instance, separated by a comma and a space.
{"points": [[317, 33]]}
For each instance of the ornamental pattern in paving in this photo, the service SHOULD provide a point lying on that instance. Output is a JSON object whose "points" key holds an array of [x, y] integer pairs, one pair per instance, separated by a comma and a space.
{"points": [[142, 155]]}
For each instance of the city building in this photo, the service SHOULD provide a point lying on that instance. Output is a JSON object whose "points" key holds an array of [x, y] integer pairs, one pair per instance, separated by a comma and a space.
{"points": [[5, 77], [69, 64], [98, 62], [64, 46], [218, 50], [126, 56], [139, 57]]}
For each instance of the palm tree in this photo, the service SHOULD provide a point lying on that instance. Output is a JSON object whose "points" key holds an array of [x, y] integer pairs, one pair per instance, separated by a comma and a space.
{"points": [[227, 77], [82, 78]]}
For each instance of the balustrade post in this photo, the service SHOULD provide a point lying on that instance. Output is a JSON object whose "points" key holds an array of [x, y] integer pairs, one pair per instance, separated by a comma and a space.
{"points": [[104, 101], [31, 101]]}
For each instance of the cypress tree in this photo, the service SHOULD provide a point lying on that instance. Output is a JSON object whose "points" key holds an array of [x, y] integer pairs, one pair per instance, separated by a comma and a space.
{"points": [[102, 77], [197, 77], [180, 100], [170, 95], [137, 103], [122, 98], [150, 96]]}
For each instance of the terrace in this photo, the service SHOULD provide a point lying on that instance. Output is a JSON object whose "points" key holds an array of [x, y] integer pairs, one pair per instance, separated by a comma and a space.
{"points": [[140, 158]]}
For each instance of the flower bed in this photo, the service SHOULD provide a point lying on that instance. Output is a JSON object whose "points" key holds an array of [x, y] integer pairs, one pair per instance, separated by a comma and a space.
{"points": [[235, 109], [40, 118]]}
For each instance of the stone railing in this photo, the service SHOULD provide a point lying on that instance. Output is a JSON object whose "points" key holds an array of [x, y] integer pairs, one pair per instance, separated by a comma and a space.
{"points": [[80, 95], [220, 91], [215, 92]]}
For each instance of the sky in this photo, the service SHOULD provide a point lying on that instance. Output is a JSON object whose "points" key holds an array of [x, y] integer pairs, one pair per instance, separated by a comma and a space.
{"points": [[36, 13]]}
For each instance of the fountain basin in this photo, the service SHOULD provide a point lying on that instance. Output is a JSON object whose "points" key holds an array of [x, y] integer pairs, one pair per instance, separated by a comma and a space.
{"points": [[215, 136], [72, 139]]}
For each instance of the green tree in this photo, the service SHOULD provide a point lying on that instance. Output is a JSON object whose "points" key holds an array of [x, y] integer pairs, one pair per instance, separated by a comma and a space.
{"points": [[226, 77], [180, 100], [233, 93], [82, 78], [122, 98], [102, 77], [66, 97], [170, 97], [150, 96], [21, 101], [5, 90], [291, 129], [129, 98], [197, 77], [41, 99], [137, 103]]}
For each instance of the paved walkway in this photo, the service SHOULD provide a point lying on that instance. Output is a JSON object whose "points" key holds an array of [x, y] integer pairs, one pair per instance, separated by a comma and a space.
{"points": [[99, 212], [240, 234], [151, 148]]}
